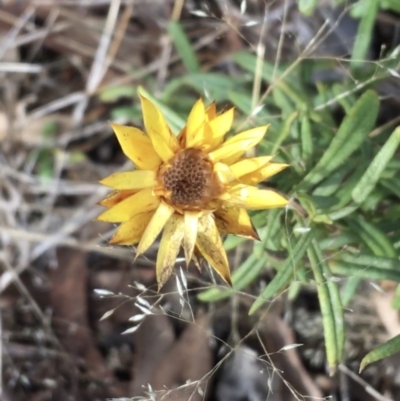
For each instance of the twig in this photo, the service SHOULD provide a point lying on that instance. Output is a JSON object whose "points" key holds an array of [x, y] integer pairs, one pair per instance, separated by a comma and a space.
{"points": [[90, 246], [24, 68], [97, 71], [367, 387], [6, 43], [77, 220], [55, 105]]}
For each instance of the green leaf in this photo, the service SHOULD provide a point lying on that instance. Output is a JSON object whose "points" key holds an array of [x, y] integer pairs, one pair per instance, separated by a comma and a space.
{"points": [[369, 273], [333, 243], [183, 46], [344, 212], [368, 260], [294, 290], [349, 289], [396, 299], [113, 93], [285, 130], [307, 7], [376, 240], [232, 241], [307, 147], [270, 231], [290, 84], [351, 134], [364, 34], [373, 173], [334, 182], [393, 5], [331, 307], [285, 272], [126, 113], [389, 348], [50, 129]]}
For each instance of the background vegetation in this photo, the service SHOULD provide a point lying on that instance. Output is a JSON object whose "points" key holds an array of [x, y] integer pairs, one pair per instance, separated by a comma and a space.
{"points": [[325, 75]]}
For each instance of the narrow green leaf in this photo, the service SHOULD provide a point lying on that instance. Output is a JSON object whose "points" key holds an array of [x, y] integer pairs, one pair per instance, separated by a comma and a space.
{"points": [[335, 181], [285, 272], [370, 260], [333, 243], [271, 229], [328, 315], [351, 134], [350, 289], [376, 240], [368, 273], [232, 241], [283, 102], [294, 290], [343, 193], [113, 93], [244, 275], [392, 185], [307, 146], [183, 46], [396, 299], [284, 131], [364, 34], [331, 307], [344, 212], [373, 173], [389, 348]]}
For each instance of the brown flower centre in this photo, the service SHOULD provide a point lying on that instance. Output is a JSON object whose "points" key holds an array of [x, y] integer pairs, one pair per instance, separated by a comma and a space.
{"points": [[189, 180]]}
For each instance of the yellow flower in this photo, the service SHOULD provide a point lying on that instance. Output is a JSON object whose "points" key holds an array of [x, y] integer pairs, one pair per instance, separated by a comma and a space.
{"points": [[193, 187]]}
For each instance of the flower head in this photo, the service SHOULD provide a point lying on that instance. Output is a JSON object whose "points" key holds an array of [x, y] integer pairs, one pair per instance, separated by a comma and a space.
{"points": [[193, 187]]}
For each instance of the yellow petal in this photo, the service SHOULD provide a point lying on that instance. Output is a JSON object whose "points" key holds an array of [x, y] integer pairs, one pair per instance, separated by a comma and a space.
{"points": [[195, 124], [263, 173], [130, 232], [250, 197], [164, 143], [137, 179], [211, 111], [157, 222], [191, 220], [235, 147], [142, 201], [221, 124], [210, 245], [235, 221], [115, 197], [137, 146], [247, 166], [169, 248], [219, 127], [223, 173]]}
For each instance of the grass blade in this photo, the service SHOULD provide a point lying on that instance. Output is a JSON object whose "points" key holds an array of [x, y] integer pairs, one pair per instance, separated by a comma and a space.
{"points": [[183, 46]]}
